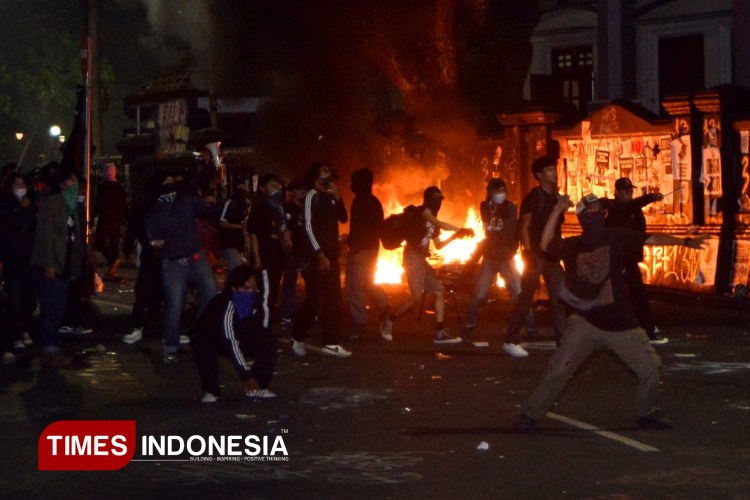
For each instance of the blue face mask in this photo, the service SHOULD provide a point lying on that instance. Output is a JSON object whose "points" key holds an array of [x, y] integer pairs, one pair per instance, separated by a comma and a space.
{"points": [[244, 303]]}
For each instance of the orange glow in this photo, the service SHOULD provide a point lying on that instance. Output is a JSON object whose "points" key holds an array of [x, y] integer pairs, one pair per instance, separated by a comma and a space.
{"points": [[389, 268]]}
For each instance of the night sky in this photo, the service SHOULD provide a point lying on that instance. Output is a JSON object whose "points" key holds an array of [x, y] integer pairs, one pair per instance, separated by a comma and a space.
{"points": [[334, 68]]}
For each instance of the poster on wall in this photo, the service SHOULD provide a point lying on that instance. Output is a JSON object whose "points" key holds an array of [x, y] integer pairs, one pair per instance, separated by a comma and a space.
{"points": [[741, 262], [172, 122], [711, 179]]}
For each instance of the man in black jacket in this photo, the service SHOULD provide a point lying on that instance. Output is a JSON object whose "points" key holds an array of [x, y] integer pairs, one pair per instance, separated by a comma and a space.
{"points": [[324, 210], [364, 244], [234, 323], [626, 212], [499, 218]]}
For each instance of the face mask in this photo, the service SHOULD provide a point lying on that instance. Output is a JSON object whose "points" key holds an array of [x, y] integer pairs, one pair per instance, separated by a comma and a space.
{"points": [[71, 197], [592, 224], [326, 181], [20, 192], [498, 198], [434, 206], [244, 302]]}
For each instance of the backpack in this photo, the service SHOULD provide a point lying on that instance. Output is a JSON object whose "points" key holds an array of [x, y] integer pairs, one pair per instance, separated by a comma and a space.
{"points": [[394, 229]]}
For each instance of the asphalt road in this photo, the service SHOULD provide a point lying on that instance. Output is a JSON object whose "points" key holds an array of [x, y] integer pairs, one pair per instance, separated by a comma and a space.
{"points": [[402, 419]]}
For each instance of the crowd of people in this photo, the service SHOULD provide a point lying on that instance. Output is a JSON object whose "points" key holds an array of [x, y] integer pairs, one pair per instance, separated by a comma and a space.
{"points": [[266, 239]]}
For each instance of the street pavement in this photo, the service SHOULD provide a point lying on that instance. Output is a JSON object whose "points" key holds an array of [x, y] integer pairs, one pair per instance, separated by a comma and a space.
{"points": [[404, 419]]}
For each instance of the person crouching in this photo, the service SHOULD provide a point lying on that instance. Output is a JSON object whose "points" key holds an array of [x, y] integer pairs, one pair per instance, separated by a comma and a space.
{"points": [[235, 323]]}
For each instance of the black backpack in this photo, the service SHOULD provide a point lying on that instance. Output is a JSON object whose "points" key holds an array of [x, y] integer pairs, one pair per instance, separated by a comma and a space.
{"points": [[395, 227]]}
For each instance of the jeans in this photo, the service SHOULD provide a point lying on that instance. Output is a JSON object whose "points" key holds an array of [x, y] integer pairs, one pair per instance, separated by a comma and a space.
{"points": [[107, 241], [232, 256], [53, 300], [22, 301], [176, 274], [490, 268], [360, 283], [553, 279], [580, 340]]}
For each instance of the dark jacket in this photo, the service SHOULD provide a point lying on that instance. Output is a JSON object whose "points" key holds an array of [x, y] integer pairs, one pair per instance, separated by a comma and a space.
{"points": [[366, 220], [17, 226], [51, 238], [111, 205], [175, 224], [501, 239], [628, 214], [219, 322], [322, 217]]}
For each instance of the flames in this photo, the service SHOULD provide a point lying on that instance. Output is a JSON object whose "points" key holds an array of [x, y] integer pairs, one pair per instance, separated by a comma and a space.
{"points": [[389, 269]]}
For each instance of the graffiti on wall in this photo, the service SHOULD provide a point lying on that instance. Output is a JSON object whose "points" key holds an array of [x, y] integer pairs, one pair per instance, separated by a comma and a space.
{"points": [[679, 266]]}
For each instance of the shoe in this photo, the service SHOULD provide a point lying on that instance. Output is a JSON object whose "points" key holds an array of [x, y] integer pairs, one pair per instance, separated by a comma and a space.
{"points": [[335, 350], [18, 345], [515, 350], [184, 340], [298, 347], [82, 330], [209, 398], [286, 321], [470, 326], [9, 359], [386, 329], [442, 337], [134, 336], [65, 329], [56, 360], [656, 338], [525, 423], [259, 393], [170, 359], [655, 420], [26, 338]]}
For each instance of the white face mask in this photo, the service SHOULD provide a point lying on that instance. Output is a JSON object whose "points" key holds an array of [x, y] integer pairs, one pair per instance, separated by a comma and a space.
{"points": [[19, 192], [498, 198]]}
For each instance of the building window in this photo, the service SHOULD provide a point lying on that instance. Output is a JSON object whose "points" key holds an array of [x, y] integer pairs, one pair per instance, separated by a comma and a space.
{"points": [[572, 72], [681, 65]]}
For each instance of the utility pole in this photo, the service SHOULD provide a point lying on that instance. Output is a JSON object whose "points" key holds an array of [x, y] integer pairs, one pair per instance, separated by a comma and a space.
{"points": [[92, 31]]}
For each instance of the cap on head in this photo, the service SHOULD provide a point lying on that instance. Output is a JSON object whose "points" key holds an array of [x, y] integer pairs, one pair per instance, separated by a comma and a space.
{"points": [[432, 193], [495, 184], [586, 202], [623, 183]]}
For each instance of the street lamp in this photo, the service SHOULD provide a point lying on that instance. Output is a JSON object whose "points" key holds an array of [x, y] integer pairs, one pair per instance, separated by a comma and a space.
{"points": [[19, 136], [54, 134]]}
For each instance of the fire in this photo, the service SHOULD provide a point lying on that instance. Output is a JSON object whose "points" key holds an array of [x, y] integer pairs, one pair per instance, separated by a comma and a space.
{"points": [[389, 269]]}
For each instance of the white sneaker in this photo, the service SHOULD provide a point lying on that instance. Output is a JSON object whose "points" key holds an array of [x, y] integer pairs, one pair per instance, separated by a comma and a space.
{"points": [[442, 337], [18, 344], [335, 350], [134, 336], [82, 330], [26, 338], [386, 329], [515, 350], [65, 329], [259, 393], [184, 340], [298, 348], [209, 398]]}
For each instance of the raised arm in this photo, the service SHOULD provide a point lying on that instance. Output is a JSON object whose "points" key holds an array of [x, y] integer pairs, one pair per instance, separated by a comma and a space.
{"points": [[563, 203]]}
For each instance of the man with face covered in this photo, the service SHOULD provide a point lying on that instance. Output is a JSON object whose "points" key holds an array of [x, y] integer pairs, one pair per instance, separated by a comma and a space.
{"points": [[324, 210], [601, 312], [364, 244], [498, 250], [267, 228], [423, 227]]}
